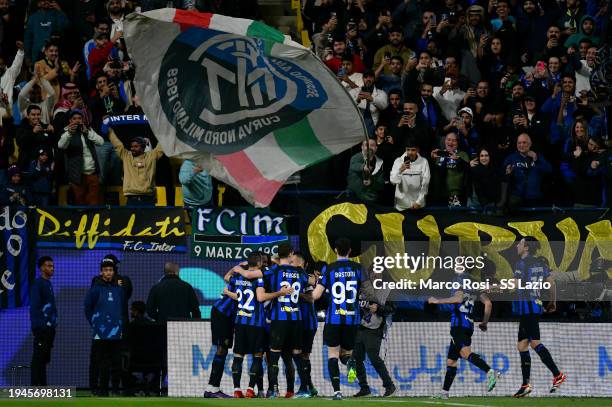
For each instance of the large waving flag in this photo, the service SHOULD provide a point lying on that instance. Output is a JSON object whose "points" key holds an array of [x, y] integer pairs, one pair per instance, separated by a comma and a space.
{"points": [[239, 97]]}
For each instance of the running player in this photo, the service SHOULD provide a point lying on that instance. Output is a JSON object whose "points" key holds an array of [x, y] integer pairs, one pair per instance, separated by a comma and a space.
{"points": [[343, 280], [462, 328], [309, 330], [531, 269], [285, 324]]}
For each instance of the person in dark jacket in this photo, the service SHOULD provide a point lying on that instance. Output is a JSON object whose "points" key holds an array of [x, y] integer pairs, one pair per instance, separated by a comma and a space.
{"points": [[31, 135], [14, 192], [172, 297], [43, 317], [40, 177], [485, 183], [524, 172], [104, 310], [588, 186]]}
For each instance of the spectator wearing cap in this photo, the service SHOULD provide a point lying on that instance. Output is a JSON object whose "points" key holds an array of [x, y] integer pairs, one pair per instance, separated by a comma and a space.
{"points": [[47, 18], [452, 167], [370, 101], [524, 172], [395, 48], [196, 184], [463, 124], [82, 168], [40, 179], [104, 49], [14, 192], [31, 135], [366, 178], [139, 169], [347, 75], [410, 175], [333, 57], [449, 96]]}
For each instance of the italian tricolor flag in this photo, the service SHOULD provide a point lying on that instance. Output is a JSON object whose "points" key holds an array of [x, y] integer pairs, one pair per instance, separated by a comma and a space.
{"points": [[239, 97]]}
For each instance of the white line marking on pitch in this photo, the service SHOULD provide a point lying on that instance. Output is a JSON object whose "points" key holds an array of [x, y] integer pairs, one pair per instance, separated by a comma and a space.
{"points": [[440, 403]]}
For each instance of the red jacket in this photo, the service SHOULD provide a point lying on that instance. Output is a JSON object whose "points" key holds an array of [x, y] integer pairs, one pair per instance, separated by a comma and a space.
{"points": [[336, 62], [98, 57]]}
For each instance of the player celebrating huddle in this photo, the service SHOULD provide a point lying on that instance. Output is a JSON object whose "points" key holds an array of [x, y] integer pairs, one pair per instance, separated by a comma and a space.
{"points": [[462, 328], [343, 280], [529, 307], [308, 315], [285, 319]]}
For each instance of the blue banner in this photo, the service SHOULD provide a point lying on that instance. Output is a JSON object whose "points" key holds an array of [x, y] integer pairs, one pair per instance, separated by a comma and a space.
{"points": [[14, 258]]}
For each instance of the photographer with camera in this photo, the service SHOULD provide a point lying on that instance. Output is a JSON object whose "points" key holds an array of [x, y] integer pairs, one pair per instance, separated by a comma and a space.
{"points": [[453, 167], [370, 101], [82, 168], [410, 175], [366, 176]]}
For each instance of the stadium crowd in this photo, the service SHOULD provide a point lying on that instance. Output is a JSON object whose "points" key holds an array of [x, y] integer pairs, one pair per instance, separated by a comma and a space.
{"points": [[490, 105]]}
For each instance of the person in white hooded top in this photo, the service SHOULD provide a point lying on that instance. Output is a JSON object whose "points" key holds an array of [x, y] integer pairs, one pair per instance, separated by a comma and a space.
{"points": [[410, 175]]}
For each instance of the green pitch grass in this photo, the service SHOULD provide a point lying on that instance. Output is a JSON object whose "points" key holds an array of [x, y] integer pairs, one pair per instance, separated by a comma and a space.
{"points": [[317, 402]]}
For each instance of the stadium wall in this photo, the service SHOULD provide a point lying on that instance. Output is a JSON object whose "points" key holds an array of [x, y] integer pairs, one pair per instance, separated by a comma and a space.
{"points": [[415, 354]]}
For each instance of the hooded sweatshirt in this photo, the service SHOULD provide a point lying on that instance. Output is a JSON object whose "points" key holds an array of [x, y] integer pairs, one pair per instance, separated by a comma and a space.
{"points": [[574, 40]]}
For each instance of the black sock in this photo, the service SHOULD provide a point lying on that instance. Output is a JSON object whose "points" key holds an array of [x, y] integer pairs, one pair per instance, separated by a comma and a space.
{"points": [[273, 369], [289, 373], [260, 384], [334, 373], [299, 366], [477, 361], [544, 354], [525, 366], [216, 372], [237, 371], [307, 369], [254, 372], [451, 372]]}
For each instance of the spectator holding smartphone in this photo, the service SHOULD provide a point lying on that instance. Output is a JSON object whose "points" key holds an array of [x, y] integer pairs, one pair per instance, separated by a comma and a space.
{"points": [[366, 176], [485, 183], [82, 168], [410, 175], [453, 167]]}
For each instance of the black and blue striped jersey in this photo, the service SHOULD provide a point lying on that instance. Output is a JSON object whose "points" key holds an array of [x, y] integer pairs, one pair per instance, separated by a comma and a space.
{"points": [[529, 270], [343, 280], [225, 304], [461, 315], [308, 312], [250, 311], [285, 308]]}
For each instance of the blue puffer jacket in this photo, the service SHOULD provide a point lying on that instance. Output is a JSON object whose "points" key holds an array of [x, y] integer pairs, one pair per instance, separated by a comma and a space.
{"points": [[103, 309]]}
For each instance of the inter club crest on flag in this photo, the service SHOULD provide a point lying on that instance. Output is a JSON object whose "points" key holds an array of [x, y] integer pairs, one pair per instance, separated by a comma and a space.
{"points": [[244, 96]]}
